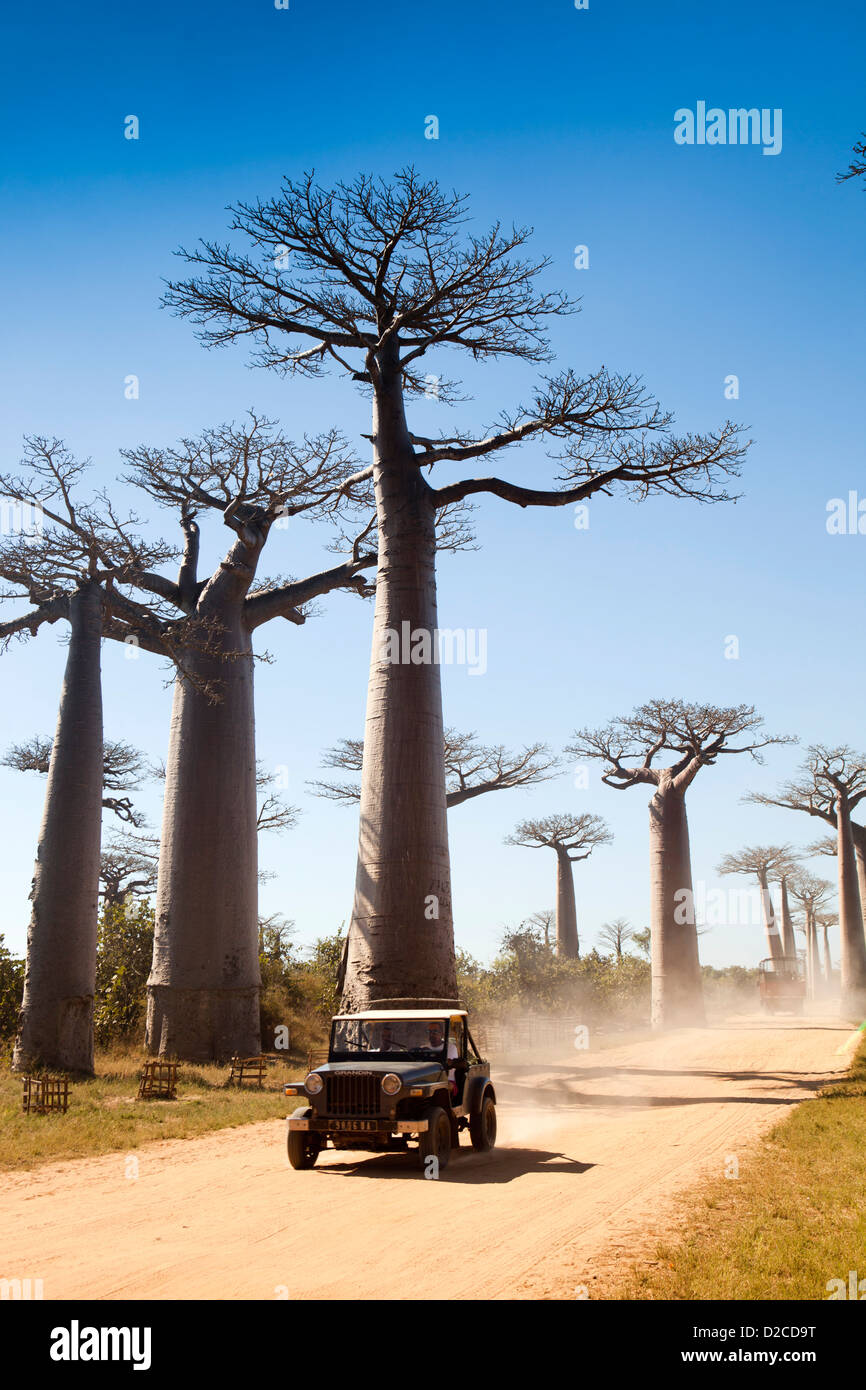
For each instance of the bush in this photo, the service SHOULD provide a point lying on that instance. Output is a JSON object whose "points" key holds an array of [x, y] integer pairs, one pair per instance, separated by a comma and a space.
{"points": [[124, 949], [11, 992], [527, 977], [298, 994]]}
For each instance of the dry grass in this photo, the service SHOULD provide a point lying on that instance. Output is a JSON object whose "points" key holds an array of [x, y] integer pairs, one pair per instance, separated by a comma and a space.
{"points": [[793, 1220], [105, 1115]]}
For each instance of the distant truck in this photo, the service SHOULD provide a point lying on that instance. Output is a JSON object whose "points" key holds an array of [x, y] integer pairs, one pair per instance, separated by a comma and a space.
{"points": [[395, 1077], [781, 985]]}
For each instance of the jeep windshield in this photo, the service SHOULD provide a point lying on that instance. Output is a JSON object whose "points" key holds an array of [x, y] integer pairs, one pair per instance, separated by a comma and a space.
{"points": [[415, 1039]]}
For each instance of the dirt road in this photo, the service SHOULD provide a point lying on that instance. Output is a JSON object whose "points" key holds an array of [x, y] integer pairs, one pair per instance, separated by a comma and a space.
{"points": [[591, 1148]]}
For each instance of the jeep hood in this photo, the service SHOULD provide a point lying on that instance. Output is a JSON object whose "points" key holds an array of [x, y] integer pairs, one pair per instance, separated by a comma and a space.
{"points": [[411, 1073]]}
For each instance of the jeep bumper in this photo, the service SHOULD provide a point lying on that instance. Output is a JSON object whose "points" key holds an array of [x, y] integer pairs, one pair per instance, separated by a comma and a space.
{"points": [[324, 1125]]}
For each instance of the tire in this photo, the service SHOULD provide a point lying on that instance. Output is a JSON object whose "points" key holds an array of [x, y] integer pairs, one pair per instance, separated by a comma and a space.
{"points": [[482, 1126], [435, 1141], [303, 1147]]}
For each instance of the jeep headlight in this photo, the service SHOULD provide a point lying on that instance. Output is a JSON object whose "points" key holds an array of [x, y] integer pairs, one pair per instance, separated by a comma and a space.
{"points": [[391, 1083], [313, 1084]]}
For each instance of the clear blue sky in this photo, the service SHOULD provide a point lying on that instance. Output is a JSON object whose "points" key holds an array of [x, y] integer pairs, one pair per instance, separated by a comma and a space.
{"points": [[704, 261]]}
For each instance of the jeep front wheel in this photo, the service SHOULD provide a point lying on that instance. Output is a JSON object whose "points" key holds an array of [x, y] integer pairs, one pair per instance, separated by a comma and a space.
{"points": [[482, 1126], [435, 1141], [304, 1148]]}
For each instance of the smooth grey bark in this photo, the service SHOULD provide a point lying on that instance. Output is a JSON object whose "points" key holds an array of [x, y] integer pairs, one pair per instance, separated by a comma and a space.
{"points": [[771, 926], [789, 940], [567, 941], [852, 943], [203, 990], [813, 959], [56, 1021], [858, 835], [828, 959], [677, 999], [401, 936]]}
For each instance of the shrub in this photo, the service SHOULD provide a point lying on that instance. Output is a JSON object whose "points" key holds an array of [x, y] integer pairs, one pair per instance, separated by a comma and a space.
{"points": [[11, 992]]}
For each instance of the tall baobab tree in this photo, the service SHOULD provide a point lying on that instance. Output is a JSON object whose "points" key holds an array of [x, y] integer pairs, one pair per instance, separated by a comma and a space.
{"points": [[124, 768], [204, 987], [813, 894], [616, 934], [471, 768], [686, 737], [572, 838], [128, 867], [830, 784], [69, 568], [544, 921], [826, 920], [782, 874], [764, 863], [375, 279]]}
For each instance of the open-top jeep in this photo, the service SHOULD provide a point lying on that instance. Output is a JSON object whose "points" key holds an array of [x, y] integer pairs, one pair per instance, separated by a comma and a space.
{"points": [[395, 1075], [781, 985]]}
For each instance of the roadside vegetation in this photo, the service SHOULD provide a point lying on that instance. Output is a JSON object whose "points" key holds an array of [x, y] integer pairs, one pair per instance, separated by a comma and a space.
{"points": [[105, 1114], [790, 1224]]}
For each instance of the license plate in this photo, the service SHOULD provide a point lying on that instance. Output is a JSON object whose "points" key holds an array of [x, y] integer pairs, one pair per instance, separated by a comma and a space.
{"points": [[353, 1124]]}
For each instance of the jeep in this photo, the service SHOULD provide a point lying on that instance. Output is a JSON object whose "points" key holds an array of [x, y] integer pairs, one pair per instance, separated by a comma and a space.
{"points": [[395, 1076]]}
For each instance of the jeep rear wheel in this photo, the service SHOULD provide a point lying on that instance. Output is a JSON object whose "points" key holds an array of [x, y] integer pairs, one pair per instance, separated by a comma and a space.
{"points": [[482, 1126], [435, 1141], [303, 1147]]}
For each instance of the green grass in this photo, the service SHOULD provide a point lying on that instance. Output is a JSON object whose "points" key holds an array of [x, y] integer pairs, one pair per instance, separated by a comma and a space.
{"points": [[794, 1219], [105, 1115]]}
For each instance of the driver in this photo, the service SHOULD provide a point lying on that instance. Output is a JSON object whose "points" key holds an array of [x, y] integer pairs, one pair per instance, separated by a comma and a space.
{"points": [[386, 1039]]}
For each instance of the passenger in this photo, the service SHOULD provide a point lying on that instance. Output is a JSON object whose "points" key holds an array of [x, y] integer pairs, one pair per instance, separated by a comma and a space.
{"points": [[436, 1037]]}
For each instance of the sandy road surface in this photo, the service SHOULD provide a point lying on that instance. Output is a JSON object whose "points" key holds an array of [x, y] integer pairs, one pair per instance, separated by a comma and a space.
{"points": [[591, 1147]]}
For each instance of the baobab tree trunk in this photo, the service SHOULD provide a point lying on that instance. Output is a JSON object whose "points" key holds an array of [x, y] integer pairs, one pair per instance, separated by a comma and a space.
{"points": [[813, 961], [203, 990], [677, 998], [828, 960], [789, 940], [56, 1021], [858, 835], [852, 942], [771, 926], [567, 943], [401, 938]]}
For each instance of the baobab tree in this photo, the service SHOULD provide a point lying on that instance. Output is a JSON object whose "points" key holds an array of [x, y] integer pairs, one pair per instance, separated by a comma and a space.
{"points": [[616, 934], [375, 279], [572, 838], [204, 987], [130, 860], [782, 874], [124, 768], [826, 920], [544, 921], [471, 768], [70, 568], [829, 845], [688, 737], [763, 862], [829, 785], [813, 894], [128, 867]]}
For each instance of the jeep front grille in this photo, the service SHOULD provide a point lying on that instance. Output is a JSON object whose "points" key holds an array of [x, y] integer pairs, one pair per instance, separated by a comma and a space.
{"points": [[353, 1093]]}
